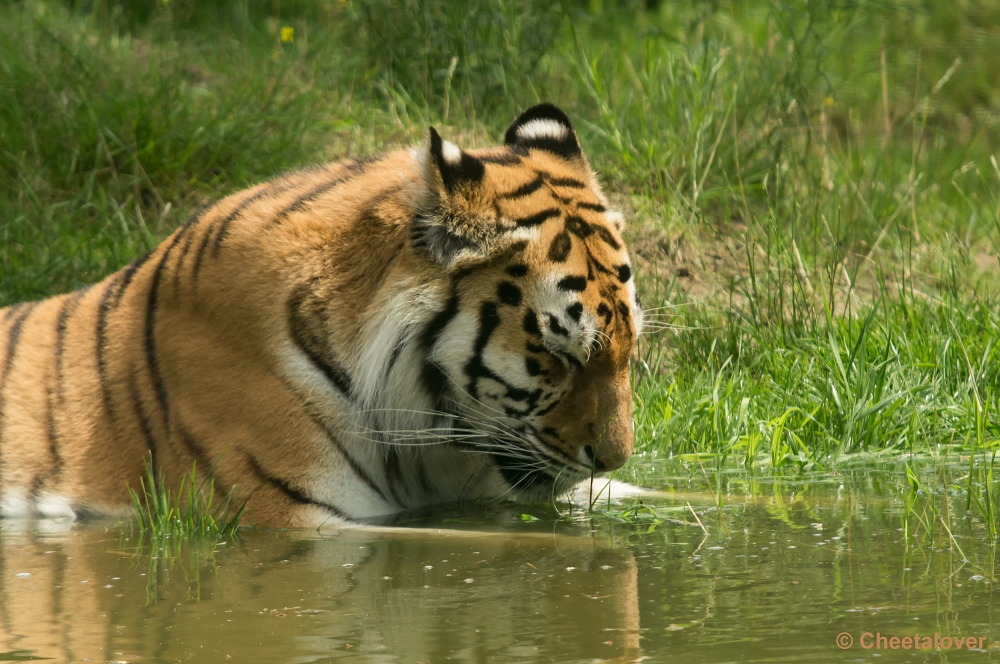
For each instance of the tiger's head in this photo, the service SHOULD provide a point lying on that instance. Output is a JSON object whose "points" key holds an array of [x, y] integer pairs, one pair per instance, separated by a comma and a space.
{"points": [[532, 351]]}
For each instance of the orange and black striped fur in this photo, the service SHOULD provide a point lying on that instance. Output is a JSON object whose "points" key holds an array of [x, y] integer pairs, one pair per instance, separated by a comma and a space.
{"points": [[423, 326]]}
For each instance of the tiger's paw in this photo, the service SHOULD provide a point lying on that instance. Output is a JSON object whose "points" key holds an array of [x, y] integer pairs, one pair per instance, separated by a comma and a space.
{"points": [[588, 492]]}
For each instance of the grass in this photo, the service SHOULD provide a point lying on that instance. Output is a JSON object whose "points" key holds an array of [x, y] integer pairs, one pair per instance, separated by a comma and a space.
{"points": [[161, 514], [184, 527], [812, 188], [906, 376]]}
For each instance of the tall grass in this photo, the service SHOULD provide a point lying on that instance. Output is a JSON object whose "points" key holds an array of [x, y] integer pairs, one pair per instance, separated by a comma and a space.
{"points": [[189, 512], [908, 376]]}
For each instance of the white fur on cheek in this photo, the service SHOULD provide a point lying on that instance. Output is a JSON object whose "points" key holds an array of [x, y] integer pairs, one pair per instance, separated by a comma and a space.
{"points": [[549, 300], [456, 344], [387, 328]]}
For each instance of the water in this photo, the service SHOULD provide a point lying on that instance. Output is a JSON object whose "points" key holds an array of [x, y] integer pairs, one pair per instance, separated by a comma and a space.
{"points": [[801, 564]]}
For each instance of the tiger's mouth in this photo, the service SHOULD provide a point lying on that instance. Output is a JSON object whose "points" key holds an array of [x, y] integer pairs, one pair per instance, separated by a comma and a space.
{"points": [[534, 470], [541, 481]]}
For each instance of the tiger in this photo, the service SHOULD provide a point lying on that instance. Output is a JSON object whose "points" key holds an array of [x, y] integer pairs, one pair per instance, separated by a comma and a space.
{"points": [[423, 326]]}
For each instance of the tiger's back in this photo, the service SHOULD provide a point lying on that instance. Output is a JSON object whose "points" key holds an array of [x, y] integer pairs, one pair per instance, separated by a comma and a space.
{"points": [[346, 341]]}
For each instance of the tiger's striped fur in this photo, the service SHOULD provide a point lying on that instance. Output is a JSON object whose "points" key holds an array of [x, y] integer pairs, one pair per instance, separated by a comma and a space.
{"points": [[342, 342]]}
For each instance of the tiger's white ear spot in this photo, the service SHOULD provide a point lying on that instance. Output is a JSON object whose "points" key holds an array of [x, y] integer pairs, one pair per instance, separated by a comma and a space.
{"points": [[544, 127], [534, 130], [451, 153]]}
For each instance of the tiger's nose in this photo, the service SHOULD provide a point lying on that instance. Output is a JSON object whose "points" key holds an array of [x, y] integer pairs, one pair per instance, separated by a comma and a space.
{"points": [[608, 457]]}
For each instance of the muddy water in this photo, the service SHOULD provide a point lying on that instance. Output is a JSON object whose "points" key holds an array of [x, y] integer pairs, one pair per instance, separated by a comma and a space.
{"points": [[780, 582]]}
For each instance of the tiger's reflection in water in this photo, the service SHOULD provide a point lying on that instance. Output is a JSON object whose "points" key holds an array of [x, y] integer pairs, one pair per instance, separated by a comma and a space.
{"points": [[418, 595]]}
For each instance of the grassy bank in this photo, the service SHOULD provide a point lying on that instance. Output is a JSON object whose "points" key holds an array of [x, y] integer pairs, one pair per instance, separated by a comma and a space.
{"points": [[812, 187]]}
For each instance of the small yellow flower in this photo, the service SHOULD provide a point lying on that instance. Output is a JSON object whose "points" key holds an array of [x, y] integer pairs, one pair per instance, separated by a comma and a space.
{"points": [[828, 101], [287, 34]]}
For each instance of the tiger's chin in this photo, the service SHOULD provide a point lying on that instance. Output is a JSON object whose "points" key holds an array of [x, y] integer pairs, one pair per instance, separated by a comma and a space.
{"points": [[535, 485]]}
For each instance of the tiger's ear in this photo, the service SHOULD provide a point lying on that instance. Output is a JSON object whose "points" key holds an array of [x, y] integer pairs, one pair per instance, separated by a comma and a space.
{"points": [[445, 225], [544, 127], [450, 166]]}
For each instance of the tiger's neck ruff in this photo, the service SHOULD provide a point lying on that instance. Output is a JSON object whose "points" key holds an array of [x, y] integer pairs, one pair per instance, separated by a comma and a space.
{"points": [[424, 326]]}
